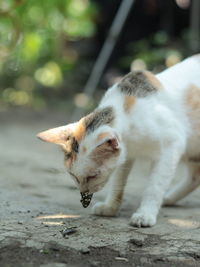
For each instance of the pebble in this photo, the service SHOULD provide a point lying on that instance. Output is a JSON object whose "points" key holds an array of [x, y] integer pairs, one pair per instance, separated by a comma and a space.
{"points": [[95, 263], [85, 251], [121, 259], [136, 242]]}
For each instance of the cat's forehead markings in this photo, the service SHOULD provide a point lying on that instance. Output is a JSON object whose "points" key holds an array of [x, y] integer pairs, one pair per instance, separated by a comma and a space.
{"points": [[86, 125], [128, 103], [99, 117], [139, 84]]}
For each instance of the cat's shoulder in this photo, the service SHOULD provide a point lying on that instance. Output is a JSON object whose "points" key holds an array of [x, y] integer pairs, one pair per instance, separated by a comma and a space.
{"points": [[139, 83]]}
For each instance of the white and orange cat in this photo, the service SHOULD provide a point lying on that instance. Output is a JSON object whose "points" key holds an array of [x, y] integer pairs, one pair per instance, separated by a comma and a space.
{"points": [[144, 116]]}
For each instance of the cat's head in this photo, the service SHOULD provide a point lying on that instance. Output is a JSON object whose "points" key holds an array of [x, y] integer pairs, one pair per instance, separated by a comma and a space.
{"points": [[92, 150]]}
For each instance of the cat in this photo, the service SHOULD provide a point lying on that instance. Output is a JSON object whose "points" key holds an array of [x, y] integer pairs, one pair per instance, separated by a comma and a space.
{"points": [[143, 116]]}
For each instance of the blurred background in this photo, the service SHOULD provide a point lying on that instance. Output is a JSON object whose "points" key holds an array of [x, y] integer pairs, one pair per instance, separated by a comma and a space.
{"points": [[57, 58], [49, 48]]}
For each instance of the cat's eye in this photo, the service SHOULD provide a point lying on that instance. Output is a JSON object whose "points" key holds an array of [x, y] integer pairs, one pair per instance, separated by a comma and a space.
{"points": [[91, 177]]}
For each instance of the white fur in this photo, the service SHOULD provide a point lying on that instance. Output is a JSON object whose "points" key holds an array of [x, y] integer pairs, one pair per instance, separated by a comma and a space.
{"points": [[158, 129]]}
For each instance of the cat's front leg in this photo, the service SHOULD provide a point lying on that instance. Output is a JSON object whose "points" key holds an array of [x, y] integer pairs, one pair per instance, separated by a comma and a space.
{"points": [[114, 198], [159, 181]]}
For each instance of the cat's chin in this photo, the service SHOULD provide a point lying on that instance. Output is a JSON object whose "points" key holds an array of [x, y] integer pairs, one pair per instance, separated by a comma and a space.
{"points": [[97, 188]]}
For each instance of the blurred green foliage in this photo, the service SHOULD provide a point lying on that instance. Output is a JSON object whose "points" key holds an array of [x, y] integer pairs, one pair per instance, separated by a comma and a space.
{"points": [[156, 52], [35, 49], [42, 47]]}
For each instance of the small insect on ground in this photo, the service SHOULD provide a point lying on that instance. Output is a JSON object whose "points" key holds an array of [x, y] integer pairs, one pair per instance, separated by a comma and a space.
{"points": [[68, 231]]}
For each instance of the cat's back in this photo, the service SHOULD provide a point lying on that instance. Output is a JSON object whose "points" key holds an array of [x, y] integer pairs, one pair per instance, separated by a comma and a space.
{"points": [[182, 75], [182, 81]]}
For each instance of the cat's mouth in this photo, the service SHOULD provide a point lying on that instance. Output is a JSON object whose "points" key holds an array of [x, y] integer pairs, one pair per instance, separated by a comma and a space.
{"points": [[86, 198]]}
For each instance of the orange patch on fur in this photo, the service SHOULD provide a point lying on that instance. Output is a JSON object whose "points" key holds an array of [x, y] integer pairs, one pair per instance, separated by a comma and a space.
{"points": [[151, 78], [128, 102], [80, 130], [102, 136], [193, 104]]}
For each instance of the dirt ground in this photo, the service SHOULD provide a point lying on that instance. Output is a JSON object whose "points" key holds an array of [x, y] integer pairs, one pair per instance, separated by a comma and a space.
{"points": [[39, 202]]}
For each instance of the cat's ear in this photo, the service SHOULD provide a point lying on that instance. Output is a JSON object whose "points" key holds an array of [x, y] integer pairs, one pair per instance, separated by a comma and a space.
{"points": [[108, 139], [58, 135], [107, 145]]}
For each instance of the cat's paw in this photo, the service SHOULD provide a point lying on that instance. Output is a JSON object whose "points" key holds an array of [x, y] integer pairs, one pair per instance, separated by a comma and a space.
{"points": [[103, 209], [140, 219]]}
